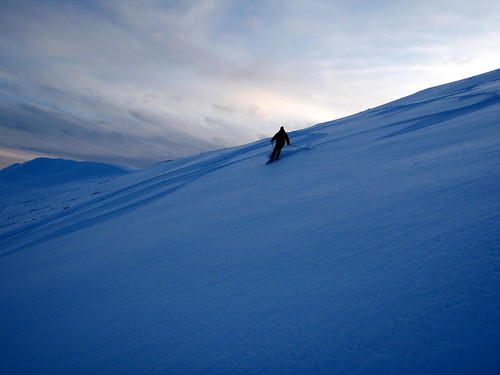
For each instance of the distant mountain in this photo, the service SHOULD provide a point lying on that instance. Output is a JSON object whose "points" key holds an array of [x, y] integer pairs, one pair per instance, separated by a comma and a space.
{"points": [[46, 172]]}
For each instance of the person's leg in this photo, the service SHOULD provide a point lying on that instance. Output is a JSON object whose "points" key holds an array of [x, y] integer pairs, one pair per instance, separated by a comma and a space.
{"points": [[274, 153], [278, 151]]}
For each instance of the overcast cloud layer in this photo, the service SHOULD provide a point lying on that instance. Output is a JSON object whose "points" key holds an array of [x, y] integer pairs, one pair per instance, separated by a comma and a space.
{"points": [[137, 82]]}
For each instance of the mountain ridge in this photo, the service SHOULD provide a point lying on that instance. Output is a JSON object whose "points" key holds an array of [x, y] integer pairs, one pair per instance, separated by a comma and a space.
{"points": [[51, 171]]}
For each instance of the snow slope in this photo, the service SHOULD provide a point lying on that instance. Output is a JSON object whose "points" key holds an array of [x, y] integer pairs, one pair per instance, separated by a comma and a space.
{"points": [[374, 252], [27, 190]]}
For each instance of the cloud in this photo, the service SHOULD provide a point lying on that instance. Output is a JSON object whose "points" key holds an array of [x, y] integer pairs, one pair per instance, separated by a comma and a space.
{"points": [[223, 108], [147, 81], [24, 125]]}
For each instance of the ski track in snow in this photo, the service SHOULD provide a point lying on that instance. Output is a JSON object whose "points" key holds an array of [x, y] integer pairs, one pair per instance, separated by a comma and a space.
{"points": [[373, 252], [123, 200]]}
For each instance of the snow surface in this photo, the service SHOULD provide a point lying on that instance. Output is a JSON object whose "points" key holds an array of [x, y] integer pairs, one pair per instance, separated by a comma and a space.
{"points": [[374, 252]]}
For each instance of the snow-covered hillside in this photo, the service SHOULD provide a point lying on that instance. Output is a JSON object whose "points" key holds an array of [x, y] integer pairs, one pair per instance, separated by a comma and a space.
{"points": [[373, 252], [27, 190], [45, 171], [42, 172]]}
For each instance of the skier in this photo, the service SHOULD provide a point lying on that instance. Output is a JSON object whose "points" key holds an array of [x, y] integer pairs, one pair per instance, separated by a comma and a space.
{"points": [[280, 137]]}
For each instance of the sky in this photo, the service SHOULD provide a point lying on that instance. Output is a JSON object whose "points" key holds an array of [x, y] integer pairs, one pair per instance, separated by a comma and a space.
{"points": [[139, 82]]}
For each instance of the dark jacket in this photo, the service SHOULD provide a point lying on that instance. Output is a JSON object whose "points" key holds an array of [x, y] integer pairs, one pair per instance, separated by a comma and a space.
{"points": [[281, 137]]}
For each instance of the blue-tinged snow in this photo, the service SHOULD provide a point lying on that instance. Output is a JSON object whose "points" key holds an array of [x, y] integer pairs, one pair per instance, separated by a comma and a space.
{"points": [[376, 251]]}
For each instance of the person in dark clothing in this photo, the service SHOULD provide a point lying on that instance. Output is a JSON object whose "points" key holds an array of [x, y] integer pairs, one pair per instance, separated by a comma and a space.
{"points": [[281, 138]]}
